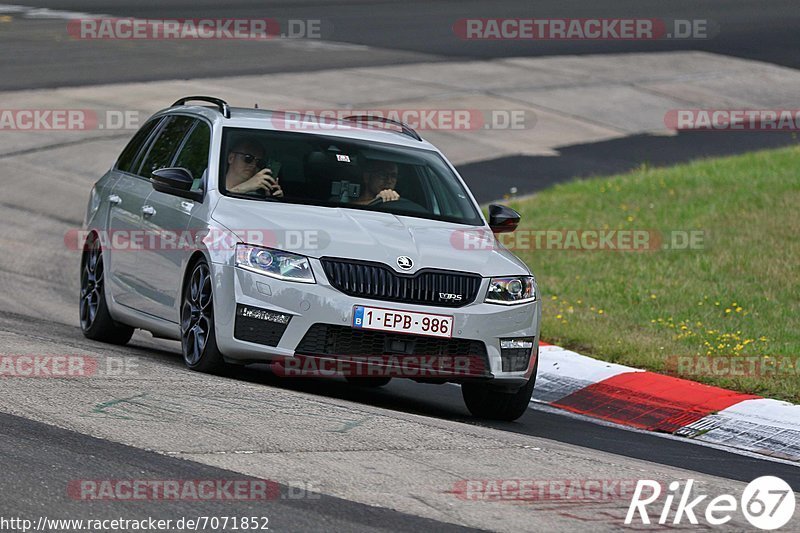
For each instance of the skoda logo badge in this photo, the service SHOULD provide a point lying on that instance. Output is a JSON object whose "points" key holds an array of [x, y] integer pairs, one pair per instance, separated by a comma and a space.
{"points": [[405, 262]]}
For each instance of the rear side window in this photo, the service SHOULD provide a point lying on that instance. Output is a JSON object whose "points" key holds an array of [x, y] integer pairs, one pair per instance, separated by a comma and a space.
{"points": [[193, 155], [128, 156], [166, 144]]}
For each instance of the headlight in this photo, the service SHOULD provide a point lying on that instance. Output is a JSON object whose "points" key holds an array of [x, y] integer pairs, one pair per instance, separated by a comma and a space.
{"points": [[511, 290], [274, 263]]}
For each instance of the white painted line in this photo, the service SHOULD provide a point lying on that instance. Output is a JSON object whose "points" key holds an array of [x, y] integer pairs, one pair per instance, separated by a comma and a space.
{"points": [[44, 13]]}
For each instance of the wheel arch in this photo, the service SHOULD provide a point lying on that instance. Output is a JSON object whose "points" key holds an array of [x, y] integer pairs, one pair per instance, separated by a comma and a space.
{"points": [[195, 258]]}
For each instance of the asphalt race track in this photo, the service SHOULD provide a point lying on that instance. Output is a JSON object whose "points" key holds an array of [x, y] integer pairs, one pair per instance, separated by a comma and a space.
{"points": [[375, 459], [37, 54]]}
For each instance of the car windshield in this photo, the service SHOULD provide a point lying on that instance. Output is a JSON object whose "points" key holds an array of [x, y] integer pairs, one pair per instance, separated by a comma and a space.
{"points": [[335, 172]]}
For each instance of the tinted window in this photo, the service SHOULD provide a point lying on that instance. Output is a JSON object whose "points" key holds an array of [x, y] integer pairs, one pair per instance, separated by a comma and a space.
{"points": [[193, 155], [126, 159], [166, 144], [336, 172]]}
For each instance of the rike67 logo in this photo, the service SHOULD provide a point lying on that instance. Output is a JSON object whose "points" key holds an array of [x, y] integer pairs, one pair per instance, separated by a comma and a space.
{"points": [[767, 503]]}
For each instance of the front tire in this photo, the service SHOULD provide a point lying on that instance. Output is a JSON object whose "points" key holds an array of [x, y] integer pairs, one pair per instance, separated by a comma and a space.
{"points": [[198, 335], [96, 322], [485, 401]]}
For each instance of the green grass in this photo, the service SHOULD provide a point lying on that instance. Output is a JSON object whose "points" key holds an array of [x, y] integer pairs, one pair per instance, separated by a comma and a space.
{"points": [[738, 295]]}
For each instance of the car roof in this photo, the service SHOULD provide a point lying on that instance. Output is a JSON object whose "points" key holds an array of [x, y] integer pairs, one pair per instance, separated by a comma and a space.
{"points": [[268, 120]]}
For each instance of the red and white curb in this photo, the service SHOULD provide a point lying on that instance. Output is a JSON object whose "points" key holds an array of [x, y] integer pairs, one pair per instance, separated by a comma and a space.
{"points": [[655, 402]]}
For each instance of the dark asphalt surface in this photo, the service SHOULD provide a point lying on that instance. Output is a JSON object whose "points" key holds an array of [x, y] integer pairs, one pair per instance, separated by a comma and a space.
{"points": [[444, 401], [40, 53], [39, 462], [534, 173]]}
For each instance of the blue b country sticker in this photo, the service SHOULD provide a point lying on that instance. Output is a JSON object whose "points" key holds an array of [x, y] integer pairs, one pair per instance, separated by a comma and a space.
{"points": [[358, 316]]}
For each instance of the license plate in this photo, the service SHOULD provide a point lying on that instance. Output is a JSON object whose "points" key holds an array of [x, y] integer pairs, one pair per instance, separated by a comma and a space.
{"points": [[381, 319]]}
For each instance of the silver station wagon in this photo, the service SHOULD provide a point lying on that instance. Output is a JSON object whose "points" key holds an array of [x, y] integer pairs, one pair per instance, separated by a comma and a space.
{"points": [[337, 248]]}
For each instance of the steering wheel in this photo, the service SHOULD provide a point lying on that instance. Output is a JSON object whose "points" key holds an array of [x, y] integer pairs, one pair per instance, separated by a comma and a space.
{"points": [[401, 203]]}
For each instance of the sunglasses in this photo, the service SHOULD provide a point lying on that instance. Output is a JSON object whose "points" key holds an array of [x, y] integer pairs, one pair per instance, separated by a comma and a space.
{"points": [[249, 159]]}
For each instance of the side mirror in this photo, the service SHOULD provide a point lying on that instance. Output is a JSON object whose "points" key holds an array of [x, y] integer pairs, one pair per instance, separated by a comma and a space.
{"points": [[502, 219], [176, 181]]}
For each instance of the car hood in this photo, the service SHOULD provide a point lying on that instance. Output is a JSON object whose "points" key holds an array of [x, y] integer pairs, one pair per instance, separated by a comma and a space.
{"points": [[367, 235]]}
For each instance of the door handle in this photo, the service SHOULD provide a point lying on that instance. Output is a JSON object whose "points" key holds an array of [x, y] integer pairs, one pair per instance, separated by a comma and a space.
{"points": [[114, 200], [148, 210], [187, 206]]}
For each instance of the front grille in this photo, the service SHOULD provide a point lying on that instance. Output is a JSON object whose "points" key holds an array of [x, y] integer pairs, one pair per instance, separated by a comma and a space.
{"points": [[379, 282], [343, 341]]}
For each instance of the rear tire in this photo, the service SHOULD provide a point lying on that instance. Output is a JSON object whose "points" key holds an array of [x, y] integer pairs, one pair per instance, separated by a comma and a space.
{"points": [[96, 322], [485, 401], [198, 334]]}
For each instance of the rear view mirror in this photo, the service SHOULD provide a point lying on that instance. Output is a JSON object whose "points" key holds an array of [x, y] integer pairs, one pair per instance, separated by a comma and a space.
{"points": [[502, 219]]}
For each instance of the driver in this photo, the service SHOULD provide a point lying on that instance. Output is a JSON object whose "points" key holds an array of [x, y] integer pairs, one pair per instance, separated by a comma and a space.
{"points": [[243, 176], [380, 178]]}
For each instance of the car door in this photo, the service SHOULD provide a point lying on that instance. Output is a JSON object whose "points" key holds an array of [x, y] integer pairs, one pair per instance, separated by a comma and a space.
{"points": [[166, 223], [125, 201], [158, 154]]}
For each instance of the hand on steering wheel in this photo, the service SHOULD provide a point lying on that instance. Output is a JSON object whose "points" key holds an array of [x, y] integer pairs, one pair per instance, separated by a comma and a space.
{"points": [[386, 195]]}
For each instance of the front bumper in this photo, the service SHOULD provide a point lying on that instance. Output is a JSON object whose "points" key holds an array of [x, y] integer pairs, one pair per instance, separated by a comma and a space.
{"points": [[321, 304]]}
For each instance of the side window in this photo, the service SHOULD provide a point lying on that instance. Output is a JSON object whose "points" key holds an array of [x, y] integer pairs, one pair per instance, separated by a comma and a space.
{"points": [[193, 155], [448, 201], [163, 148], [126, 159]]}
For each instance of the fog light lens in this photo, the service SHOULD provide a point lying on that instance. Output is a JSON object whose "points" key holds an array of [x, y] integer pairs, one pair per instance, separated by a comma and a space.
{"points": [[508, 344], [515, 354]]}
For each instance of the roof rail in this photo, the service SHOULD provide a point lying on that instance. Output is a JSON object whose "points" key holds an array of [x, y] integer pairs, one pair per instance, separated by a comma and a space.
{"points": [[221, 104], [372, 118]]}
